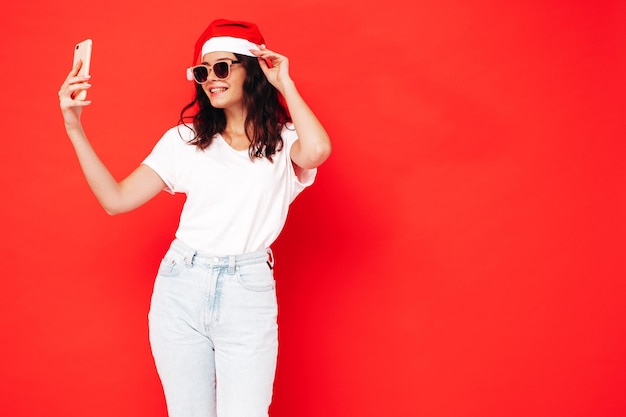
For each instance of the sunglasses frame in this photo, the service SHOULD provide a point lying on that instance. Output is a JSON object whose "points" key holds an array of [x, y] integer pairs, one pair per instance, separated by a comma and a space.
{"points": [[192, 76]]}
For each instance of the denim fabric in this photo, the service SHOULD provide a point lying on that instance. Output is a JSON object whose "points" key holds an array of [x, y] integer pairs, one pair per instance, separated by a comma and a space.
{"points": [[214, 334]]}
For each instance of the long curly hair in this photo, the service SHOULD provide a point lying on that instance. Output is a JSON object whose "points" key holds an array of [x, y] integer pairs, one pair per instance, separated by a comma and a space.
{"points": [[266, 113]]}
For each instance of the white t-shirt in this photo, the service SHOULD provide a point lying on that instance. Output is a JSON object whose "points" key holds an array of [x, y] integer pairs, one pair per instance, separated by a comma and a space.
{"points": [[234, 204]]}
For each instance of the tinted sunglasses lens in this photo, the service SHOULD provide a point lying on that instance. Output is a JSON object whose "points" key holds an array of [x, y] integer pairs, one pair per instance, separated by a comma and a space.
{"points": [[200, 73], [221, 69]]}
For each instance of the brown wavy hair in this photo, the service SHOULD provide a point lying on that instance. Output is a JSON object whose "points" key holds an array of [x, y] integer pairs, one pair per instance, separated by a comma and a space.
{"points": [[265, 107]]}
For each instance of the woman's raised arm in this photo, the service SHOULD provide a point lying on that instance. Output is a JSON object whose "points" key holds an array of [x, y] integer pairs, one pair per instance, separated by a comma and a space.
{"points": [[114, 197]]}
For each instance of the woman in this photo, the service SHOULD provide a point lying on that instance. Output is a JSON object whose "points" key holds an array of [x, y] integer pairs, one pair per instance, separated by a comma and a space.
{"points": [[252, 146]]}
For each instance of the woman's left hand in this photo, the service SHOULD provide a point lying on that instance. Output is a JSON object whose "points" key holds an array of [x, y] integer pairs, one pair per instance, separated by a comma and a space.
{"points": [[277, 72]]}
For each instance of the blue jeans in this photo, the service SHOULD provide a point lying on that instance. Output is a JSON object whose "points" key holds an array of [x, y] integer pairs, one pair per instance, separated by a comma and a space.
{"points": [[214, 333]]}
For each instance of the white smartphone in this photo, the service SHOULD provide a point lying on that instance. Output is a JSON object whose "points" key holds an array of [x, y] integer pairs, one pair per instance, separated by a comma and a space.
{"points": [[82, 52]]}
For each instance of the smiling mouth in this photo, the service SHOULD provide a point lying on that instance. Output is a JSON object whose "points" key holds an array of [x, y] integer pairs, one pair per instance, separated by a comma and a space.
{"points": [[218, 89]]}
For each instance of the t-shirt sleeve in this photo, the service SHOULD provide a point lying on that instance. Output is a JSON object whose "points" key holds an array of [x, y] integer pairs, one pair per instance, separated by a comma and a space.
{"points": [[163, 159], [301, 177]]}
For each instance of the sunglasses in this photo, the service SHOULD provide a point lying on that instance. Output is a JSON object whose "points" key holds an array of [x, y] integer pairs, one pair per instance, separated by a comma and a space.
{"points": [[200, 73]]}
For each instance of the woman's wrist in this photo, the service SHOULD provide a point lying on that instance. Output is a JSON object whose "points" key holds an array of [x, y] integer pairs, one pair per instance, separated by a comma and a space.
{"points": [[287, 87], [75, 132]]}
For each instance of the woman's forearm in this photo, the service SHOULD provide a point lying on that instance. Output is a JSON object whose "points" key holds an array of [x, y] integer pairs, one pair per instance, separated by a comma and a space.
{"points": [[314, 142], [114, 197], [99, 178]]}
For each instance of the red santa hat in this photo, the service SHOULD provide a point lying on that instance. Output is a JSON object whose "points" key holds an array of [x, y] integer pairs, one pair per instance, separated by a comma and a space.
{"points": [[228, 36]]}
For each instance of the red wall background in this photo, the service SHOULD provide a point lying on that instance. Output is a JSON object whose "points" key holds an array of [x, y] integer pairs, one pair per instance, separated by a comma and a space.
{"points": [[461, 253]]}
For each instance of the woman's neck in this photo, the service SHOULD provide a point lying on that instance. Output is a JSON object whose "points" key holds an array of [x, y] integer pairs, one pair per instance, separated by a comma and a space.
{"points": [[235, 131], [235, 121]]}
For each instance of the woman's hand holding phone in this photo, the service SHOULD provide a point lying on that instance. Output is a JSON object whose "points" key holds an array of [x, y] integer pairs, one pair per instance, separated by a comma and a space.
{"points": [[73, 91]]}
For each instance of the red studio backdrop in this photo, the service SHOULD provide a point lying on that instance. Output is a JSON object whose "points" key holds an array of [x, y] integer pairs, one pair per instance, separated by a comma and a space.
{"points": [[460, 254]]}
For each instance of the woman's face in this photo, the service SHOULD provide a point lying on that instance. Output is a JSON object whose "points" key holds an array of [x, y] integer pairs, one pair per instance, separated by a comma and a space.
{"points": [[226, 92]]}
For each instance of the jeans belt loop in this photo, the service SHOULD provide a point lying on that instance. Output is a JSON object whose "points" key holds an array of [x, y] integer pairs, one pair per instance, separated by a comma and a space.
{"points": [[231, 264], [189, 258]]}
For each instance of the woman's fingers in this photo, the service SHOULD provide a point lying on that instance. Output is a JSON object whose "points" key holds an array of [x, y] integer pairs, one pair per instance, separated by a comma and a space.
{"points": [[270, 58], [79, 84], [267, 54], [71, 92], [74, 81], [71, 88]]}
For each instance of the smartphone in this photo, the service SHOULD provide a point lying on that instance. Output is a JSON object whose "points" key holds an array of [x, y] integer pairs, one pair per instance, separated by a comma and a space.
{"points": [[82, 52]]}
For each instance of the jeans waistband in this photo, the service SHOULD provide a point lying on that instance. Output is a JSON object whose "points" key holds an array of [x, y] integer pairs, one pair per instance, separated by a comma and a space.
{"points": [[195, 257]]}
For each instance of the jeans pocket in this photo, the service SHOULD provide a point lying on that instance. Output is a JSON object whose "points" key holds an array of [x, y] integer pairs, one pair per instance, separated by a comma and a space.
{"points": [[257, 277], [171, 266]]}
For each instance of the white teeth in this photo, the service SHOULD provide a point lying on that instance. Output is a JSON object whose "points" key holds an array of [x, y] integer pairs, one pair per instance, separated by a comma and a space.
{"points": [[218, 89]]}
